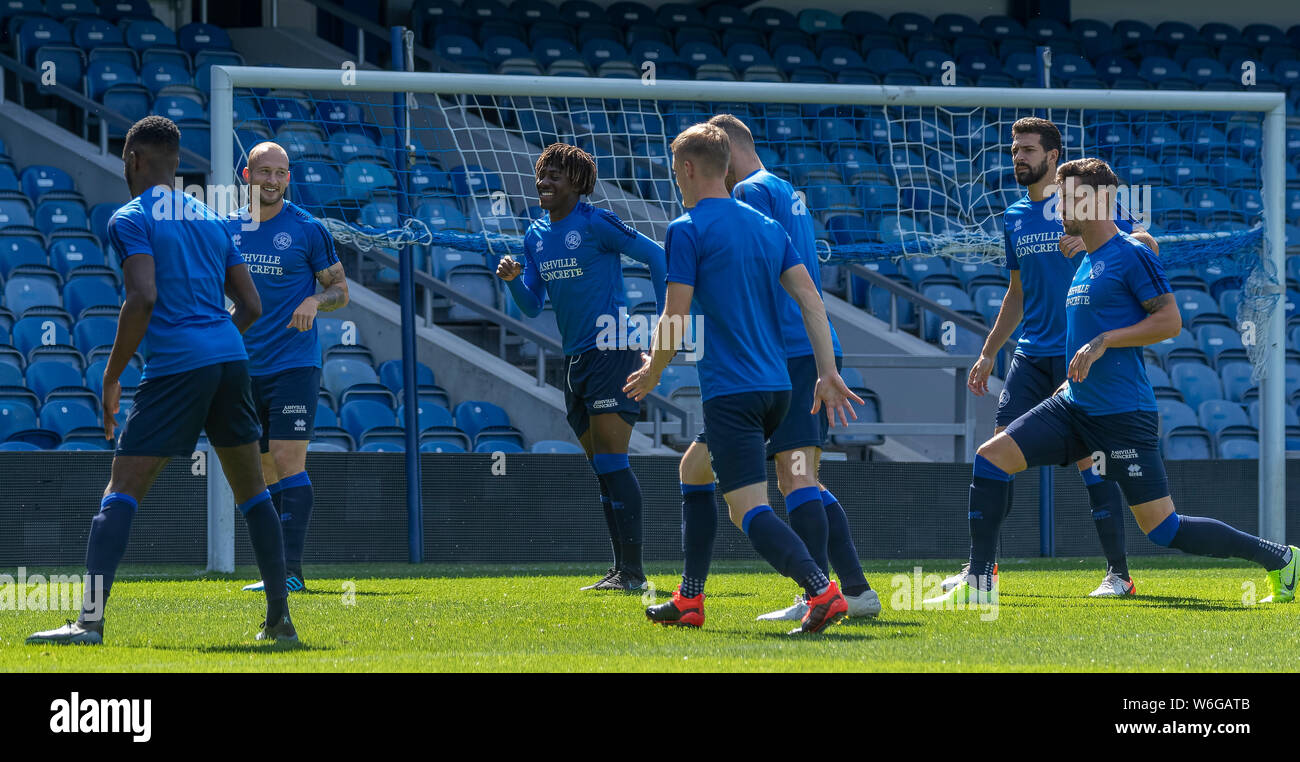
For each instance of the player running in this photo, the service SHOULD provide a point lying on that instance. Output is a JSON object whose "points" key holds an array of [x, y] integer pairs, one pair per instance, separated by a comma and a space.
{"points": [[815, 514], [1039, 278], [574, 255], [733, 262], [1118, 302], [288, 252], [178, 260]]}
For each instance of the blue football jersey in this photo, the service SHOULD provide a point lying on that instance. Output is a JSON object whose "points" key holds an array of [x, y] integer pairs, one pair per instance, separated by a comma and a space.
{"points": [[1107, 293], [191, 249], [283, 254], [578, 263], [776, 198], [1032, 230], [734, 256]]}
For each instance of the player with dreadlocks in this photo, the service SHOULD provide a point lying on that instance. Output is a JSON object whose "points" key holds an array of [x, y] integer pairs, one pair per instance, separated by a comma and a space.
{"points": [[573, 254]]}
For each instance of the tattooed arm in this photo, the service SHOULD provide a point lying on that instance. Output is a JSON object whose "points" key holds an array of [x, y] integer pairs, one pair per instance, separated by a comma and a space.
{"points": [[334, 296], [1163, 321]]}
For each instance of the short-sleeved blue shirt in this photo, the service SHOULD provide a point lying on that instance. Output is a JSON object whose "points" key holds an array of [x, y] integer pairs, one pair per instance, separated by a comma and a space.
{"points": [[1106, 294], [191, 249], [776, 198], [1032, 230], [734, 256], [283, 254], [579, 261]]}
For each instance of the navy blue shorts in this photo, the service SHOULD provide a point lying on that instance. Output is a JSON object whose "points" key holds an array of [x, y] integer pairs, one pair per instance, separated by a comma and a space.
{"points": [[1058, 433], [741, 424], [593, 385], [800, 427], [1030, 380], [286, 404], [170, 412]]}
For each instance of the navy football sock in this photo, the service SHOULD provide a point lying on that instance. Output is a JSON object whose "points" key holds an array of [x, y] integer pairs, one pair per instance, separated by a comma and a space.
{"points": [[699, 530], [295, 514], [274, 489], [1011, 501], [607, 510], [625, 499], [109, 532], [840, 550], [1108, 516], [268, 548], [808, 520], [1210, 537], [782, 548], [988, 501]]}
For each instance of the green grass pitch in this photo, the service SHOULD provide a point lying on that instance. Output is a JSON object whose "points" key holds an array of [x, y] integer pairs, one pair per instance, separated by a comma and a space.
{"points": [[1189, 616]]}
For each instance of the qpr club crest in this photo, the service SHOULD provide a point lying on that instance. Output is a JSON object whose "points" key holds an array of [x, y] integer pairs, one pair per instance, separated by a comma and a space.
{"points": [[573, 240], [282, 241], [1097, 268], [1004, 398]]}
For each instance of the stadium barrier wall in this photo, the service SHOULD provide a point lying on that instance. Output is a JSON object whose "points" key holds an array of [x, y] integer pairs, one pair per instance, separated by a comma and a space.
{"points": [[533, 508]]}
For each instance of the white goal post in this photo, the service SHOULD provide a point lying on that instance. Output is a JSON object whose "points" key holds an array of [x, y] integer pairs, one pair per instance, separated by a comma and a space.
{"points": [[1272, 494]]}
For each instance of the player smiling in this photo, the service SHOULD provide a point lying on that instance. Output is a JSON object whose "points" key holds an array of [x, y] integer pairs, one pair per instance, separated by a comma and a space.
{"points": [[574, 255]]}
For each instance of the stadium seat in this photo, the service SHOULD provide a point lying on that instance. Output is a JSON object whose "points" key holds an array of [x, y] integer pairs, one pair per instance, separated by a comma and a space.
{"points": [[1236, 379], [32, 332], [555, 446], [39, 180], [1239, 448], [195, 37], [90, 33], [428, 416], [498, 445], [387, 445], [1187, 443], [45, 377], [16, 252], [15, 416], [25, 292], [334, 438], [62, 417], [129, 379], [103, 74], [339, 375], [83, 293], [359, 416], [473, 416]]}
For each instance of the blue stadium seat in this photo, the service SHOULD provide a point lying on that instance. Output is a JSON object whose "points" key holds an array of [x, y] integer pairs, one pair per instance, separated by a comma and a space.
{"points": [[129, 379], [24, 292], [32, 332], [66, 61], [14, 417], [93, 332], [987, 301], [473, 180], [179, 108], [473, 416], [90, 33], [1194, 303], [316, 184], [63, 416], [131, 101], [363, 178], [1196, 382], [60, 215], [125, 9], [1236, 379], [159, 74], [37, 32], [1188, 443], [498, 445], [390, 375], [16, 252], [1174, 414], [103, 75], [386, 445], [45, 377], [83, 293], [339, 375], [359, 416], [549, 50], [1239, 448], [38, 180], [1219, 342], [428, 416], [1217, 414], [199, 36], [144, 34]]}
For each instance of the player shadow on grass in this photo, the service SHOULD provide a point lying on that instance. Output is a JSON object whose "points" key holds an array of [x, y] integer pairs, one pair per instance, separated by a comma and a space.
{"points": [[247, 648], [834, 633], [1145, 600]]}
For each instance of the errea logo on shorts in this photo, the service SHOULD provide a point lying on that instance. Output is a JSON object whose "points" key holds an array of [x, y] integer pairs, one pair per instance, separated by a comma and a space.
{"points": [[282, 241], [573, 240], [294, 410], [1123, 454], [602, 404], [300, 425], [1134, 470]]}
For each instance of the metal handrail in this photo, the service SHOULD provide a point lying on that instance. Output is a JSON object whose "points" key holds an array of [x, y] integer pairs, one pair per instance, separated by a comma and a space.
{"points": [[105, 114], [963, 429]]}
